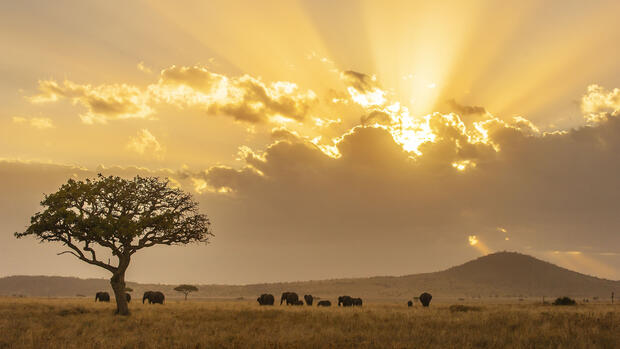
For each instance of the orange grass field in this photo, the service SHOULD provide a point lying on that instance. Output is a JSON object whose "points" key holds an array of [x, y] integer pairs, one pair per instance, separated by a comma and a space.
{"points": [[81, 323]]}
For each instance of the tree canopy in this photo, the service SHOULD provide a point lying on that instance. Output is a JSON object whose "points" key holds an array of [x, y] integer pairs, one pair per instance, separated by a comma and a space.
{"points": [[120, 215], [186, 289]]}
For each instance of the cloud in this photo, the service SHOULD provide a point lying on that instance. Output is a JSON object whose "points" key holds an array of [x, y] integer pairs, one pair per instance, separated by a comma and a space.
{"points": [[465, 110], [376, 117], [541, 187], [285, 134], [103, 102], [146, 143], [38, 123], [363, 89], [386, 185], [143, 68], [245, 98], [379, 209], [598, 103]]}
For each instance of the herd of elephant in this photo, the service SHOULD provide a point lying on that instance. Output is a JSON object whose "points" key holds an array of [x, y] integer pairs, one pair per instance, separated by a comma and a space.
{"points": [[291, 298], [154, 297]]}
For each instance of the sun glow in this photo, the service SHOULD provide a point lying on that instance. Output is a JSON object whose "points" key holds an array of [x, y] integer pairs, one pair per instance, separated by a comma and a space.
{"points": [[475, 242], [376, 97], [412, 133], [463, 165]]}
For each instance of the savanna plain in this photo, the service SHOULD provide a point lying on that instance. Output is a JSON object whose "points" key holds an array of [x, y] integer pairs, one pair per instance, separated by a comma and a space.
{"points": [[81, 323]]}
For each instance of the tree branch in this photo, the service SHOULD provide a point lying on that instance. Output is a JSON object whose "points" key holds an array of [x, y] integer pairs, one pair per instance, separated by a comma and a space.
{"points": [[80, 255], [70, 252]]}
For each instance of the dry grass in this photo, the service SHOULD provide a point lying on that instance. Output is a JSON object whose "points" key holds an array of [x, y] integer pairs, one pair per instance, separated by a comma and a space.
{"points": [[80, 323]]}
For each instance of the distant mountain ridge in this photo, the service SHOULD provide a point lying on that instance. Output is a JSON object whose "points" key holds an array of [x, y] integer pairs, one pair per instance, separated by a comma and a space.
{"points": [[502, 274]]}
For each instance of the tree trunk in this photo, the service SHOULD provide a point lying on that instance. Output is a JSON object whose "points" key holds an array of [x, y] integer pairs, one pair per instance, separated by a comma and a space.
{"points": [[118, 285], [611, 298]]}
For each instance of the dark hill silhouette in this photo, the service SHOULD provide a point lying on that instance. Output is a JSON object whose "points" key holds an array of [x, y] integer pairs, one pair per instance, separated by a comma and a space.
{"points": [[503, 274], [525, 274]]}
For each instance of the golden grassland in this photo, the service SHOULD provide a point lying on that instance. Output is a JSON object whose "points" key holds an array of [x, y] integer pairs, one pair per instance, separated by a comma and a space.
{"points": [[81, 323]]}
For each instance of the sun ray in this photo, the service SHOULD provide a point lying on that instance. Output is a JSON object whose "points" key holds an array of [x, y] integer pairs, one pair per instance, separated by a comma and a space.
{"points": [[475, 242]]}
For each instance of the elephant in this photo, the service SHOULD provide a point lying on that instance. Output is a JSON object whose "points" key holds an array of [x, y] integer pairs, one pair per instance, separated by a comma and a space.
{"points": [[425, 299], [410, 304], [289, 297], [265, 299], [298, 302], [324, 304], [147, 296], [102, 297], [345, 301], [128, 297], [309, 299], [153, 297]]}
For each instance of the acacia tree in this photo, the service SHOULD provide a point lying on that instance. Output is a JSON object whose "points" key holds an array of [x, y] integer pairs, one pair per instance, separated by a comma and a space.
{"points": [[120, 215], [186, 289]]}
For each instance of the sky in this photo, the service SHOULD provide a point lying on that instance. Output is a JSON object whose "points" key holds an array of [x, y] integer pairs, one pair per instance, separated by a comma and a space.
{"points": [[323, 139]]}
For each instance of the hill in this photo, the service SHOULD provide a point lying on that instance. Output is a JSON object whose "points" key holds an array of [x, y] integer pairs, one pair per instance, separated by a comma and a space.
{"points": [[503, 274]]}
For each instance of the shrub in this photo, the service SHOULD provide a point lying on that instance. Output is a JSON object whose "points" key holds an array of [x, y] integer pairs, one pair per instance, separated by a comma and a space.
{"points": [[463, 308], [73, 311], [564, 301]]}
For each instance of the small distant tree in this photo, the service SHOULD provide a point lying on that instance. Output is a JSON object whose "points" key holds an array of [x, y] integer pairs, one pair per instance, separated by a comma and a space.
{"points": [[119, 215], [186, 289], [128, 289]]}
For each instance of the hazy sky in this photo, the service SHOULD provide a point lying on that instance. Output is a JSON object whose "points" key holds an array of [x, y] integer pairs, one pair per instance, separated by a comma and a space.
{"points": [[324, 139]]}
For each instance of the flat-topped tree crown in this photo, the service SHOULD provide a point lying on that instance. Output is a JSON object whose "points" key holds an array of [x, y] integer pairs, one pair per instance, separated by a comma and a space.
{"points": [[121, 215], [186, 289]]}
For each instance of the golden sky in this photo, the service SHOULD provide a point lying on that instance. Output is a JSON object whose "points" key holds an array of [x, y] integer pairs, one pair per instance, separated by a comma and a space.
{"points": [[324, 139]]}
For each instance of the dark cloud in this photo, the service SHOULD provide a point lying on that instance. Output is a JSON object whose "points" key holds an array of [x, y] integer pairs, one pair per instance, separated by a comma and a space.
{"points": [[464, 110], [363, 83], [300, 214], [376, 116], [552, 191], [294, 211]]}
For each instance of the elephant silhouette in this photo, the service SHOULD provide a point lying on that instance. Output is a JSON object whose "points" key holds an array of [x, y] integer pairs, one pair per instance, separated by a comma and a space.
{"points": [[324, 304], [425, 299], [348, 301], [291, 298], [102, 297], [153, 297], [265, 299], [345, 301]]}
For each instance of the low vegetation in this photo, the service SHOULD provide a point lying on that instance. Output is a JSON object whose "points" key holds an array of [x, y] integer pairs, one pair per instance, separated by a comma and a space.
{"points": [[464, 308], [81, 323], [564, 301]]}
